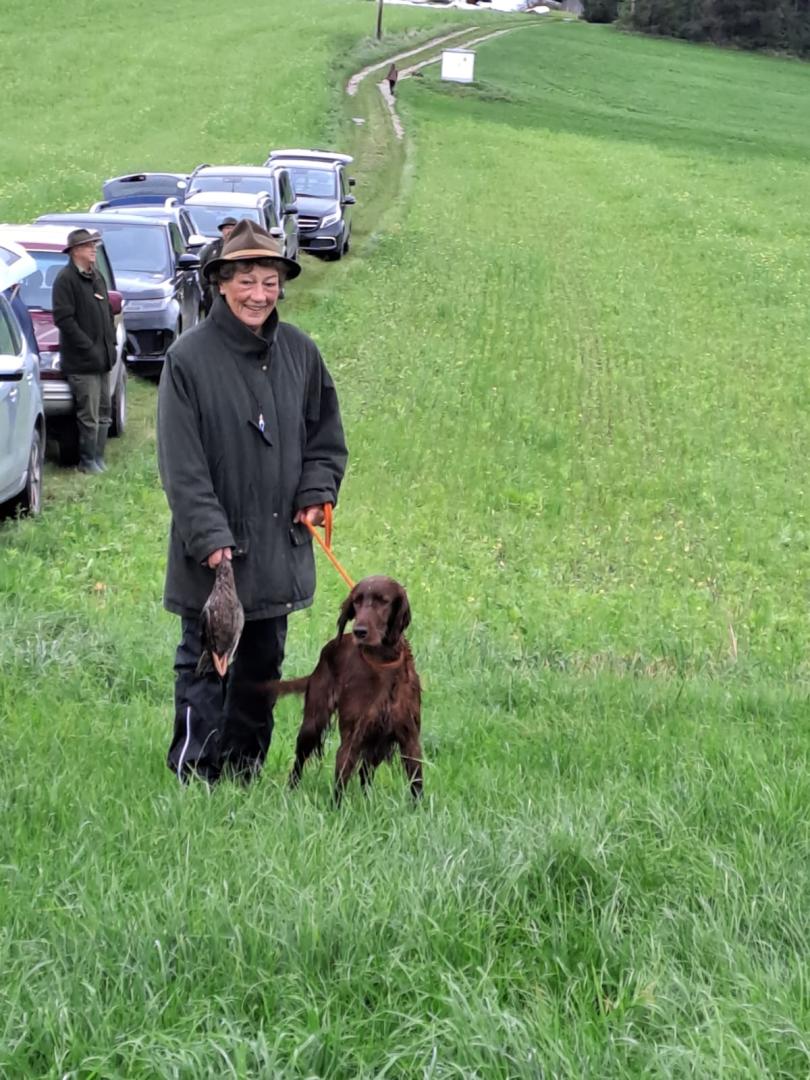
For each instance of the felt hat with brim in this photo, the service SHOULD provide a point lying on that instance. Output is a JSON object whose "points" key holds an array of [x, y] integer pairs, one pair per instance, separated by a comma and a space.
{"points": [[81, 236], [249, 242], [226, 221]]}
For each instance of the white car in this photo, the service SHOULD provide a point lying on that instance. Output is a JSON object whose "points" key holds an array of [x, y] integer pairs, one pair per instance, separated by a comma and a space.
{"points": [[22, 413]]}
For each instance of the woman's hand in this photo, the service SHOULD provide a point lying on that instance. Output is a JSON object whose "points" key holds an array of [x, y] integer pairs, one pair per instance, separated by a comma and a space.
{"points": [[216, 557]]}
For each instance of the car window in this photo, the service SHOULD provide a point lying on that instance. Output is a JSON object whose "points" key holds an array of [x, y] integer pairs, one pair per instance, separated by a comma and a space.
{"points": [[137, 248], [186, 225], [36, 289], [343, 186], [177, 240], [246, 185], [10, 337], [317, 183], [207, 218], [103, 267]]}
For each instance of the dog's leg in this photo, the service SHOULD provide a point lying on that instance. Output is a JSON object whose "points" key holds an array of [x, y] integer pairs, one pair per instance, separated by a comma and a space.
{"points": [[318, 707], [366, 775], [411, 753], [345, 764]]}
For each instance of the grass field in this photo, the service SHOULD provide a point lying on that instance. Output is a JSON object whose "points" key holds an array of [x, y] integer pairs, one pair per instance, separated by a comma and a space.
{"points": [[571, 358]]}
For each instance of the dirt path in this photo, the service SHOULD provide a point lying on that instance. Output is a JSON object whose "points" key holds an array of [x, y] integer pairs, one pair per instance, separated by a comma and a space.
{"points": [[354, 82]]}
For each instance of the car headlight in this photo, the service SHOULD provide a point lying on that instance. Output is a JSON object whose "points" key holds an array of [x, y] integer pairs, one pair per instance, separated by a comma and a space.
{"points": [[146, 305], [331, 219]]}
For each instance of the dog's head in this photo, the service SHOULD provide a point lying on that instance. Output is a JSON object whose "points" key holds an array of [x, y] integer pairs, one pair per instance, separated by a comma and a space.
{"points": [[380, 610]]}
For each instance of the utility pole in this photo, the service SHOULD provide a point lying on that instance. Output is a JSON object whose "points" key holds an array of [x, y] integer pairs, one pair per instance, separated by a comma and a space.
{"points": [[379, 18]]}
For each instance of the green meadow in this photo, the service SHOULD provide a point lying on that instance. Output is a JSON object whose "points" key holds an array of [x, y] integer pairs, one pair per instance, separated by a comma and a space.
{"points": [[570, 344]]}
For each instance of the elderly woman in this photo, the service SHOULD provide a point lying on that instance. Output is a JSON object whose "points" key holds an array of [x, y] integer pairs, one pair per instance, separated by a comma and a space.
{"points": [[250, 445]]}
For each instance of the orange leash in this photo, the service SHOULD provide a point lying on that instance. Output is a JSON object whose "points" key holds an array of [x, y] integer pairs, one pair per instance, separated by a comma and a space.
{"points": [[326, 543]]}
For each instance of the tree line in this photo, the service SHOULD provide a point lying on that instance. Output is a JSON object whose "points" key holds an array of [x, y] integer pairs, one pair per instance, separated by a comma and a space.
{"points": [[752, 24]]}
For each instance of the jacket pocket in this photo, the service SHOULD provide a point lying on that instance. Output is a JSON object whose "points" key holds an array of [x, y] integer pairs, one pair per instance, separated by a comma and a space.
{"points": [[242, 531]]}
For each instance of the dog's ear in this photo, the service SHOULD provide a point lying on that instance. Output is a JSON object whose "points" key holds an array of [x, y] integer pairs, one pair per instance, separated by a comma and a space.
{"points": [[347, 613], [399, 619]]}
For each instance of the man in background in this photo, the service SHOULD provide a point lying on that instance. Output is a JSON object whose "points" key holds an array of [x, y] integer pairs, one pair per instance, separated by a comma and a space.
{"points": [[82, 312], [213, 251]]}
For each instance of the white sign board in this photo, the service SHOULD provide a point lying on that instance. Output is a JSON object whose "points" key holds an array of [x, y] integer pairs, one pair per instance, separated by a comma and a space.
{"points": [[458, 65]]}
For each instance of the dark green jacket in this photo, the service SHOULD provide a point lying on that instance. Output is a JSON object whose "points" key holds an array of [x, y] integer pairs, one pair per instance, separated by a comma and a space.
{"points": [[81, 310], [230, 484]]}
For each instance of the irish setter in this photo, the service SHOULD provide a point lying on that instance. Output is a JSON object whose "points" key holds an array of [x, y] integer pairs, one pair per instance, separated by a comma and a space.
{"points": [[368, 677]]}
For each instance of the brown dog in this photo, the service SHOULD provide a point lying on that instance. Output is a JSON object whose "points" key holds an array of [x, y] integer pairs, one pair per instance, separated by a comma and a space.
{"points": [[368, 677]]}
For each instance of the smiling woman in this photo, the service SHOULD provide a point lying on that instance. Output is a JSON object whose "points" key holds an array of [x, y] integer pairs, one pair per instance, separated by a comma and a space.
{"points": [[250, 446]]}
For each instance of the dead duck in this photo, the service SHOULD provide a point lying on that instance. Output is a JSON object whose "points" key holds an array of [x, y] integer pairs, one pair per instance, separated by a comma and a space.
{"points": [[222, 619]]}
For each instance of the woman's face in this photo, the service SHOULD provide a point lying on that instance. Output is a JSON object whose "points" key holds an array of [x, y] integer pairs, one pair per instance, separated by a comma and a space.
{"points": [[252, 294]]}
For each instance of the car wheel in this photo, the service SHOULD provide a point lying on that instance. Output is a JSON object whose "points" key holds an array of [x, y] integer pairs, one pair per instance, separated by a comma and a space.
{"points": [[347, 243], [29, 501], [119, 406]]}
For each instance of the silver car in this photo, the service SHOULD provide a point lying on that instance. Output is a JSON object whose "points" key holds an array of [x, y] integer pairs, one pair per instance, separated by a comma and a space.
{"points": [[22, 413]]}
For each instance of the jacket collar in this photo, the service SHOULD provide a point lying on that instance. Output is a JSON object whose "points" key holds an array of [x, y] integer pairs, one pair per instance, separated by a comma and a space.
{"points": [[240, 337]]}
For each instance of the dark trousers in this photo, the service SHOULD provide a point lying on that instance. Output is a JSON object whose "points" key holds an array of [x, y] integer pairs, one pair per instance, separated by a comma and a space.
{"points": [[225, 727], [93, 412]]}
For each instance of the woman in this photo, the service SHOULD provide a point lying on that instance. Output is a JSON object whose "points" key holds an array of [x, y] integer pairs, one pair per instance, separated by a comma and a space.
{"points": [[250, 445]]}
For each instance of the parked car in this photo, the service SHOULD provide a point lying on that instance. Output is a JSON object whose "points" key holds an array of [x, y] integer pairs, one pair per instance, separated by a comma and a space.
{"points": [[175, 212], [208, 208], [140, 189], [22, 413], [254, 180], [44, 244], [322, 194], [156, 275]]}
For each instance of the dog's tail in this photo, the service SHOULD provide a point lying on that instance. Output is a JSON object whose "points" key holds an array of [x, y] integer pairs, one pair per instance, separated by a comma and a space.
{"points": [[282, 687]]}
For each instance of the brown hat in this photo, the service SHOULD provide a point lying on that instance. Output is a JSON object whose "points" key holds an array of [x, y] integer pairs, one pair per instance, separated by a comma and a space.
{"points": [[250, 241], [81, 236]]}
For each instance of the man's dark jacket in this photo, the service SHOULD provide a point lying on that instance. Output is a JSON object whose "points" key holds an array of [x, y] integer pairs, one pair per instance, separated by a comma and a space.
{"points": [[81, 310], [209, 252], [230, 484]]}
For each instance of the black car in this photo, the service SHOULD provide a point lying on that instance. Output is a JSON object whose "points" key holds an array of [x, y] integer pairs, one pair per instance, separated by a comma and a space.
{"points": [[323, 198], [156, 275]]}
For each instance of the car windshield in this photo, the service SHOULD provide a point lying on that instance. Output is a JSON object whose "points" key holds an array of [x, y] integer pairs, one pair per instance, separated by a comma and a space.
{"points": [[137, 248], [207, 218], [315, 183], [246, 185], [36, 289]]}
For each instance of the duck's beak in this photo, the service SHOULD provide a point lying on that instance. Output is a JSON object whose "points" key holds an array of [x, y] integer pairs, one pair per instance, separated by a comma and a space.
{"points": [[220, 664]]}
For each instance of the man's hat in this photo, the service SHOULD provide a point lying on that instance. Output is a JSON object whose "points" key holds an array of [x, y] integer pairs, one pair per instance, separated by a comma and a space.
{"points": [[81, 236], [250, 241], [226, 221]]}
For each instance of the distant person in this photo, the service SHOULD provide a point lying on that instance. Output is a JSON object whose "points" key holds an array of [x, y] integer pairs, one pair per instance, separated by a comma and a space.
{"points": [[213, 251], [392, 77], [82, 312]]}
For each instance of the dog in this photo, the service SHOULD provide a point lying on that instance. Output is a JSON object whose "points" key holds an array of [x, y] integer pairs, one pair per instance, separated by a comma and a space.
{"points": [[369, 678]]}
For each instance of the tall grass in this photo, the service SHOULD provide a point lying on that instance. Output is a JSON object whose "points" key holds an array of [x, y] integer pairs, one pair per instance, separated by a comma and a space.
{"points": [[570, 369]]}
